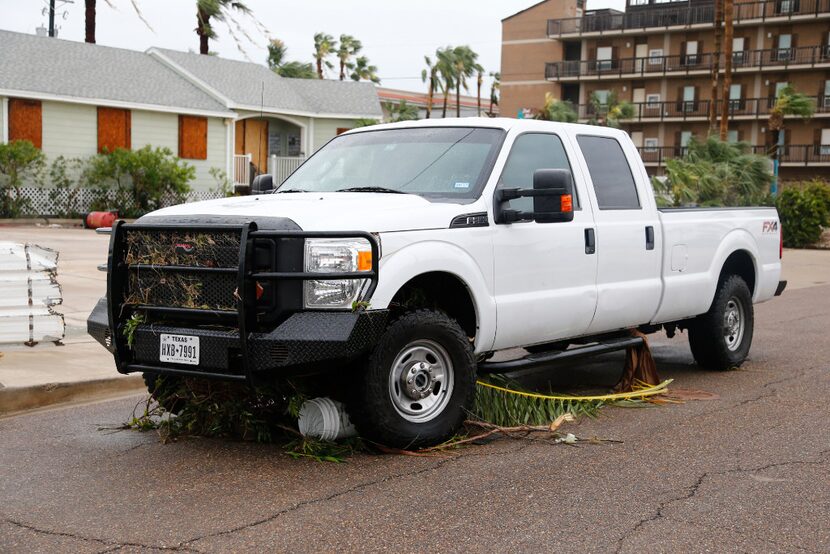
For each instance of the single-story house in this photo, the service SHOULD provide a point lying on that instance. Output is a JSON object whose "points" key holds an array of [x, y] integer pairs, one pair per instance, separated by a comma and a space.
{"points": [[75, 99]]}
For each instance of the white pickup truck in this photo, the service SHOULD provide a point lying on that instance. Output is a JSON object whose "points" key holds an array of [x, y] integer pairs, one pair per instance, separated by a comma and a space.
{"points": [[399, 257]]}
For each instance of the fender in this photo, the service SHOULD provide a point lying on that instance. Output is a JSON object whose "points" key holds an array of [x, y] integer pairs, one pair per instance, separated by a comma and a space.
{"points": [[737, 239], [399, 267]]}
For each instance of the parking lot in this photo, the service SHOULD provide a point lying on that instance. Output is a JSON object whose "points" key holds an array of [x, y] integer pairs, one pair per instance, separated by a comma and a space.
{"points": [[747, 468]]}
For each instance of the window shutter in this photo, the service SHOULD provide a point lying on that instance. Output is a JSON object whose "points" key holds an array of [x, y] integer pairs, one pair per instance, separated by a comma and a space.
{"points": [[26, 121], [114, 129], [193, 137]]}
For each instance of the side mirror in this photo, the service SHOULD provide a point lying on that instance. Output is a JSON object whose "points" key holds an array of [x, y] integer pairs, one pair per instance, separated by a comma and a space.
{"points": [[552, 195], [556, 204], [262, 184]]}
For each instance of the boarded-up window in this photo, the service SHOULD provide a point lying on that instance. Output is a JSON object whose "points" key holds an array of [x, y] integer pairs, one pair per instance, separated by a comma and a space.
{"points": [[193, 137], [114, 129], [341, 130], [26, 121]]}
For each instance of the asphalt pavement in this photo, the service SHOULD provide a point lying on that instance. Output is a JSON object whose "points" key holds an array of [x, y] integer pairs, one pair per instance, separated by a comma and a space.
{"points": [[745, 471]]}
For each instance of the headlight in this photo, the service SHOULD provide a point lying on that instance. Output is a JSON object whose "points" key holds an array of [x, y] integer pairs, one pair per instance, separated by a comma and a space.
{"points": [[336, 256]]}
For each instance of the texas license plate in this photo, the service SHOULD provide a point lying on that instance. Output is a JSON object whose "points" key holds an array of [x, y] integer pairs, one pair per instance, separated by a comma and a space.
{"points": [[179, 349]]}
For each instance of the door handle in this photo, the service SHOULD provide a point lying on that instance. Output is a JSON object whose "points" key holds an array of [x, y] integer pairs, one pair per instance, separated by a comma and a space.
{"points": [[590, 241], [649, 237]]}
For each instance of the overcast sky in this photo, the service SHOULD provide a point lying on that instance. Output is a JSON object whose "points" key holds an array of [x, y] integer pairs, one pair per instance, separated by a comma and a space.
{"points": [[396, 34]]}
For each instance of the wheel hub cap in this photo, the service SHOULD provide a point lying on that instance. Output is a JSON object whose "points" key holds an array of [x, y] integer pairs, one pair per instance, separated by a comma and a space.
{"points": [[421, 380], [733, 324]]}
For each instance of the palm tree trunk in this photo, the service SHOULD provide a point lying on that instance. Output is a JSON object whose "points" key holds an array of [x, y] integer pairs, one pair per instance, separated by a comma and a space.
{"points": [[342, 70], [89, 21], [430, 94], [202, 22], [728, 33], [319, 67], [458, 99], [773, 154], [478, 98], [446, 95], [713, 110]]}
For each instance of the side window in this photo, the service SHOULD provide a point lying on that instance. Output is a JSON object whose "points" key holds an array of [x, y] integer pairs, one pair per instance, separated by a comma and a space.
{"points": [[532, 151], [613, 182]]}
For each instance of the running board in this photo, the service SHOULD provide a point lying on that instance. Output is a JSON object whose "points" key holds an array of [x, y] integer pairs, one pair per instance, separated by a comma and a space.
{"points": [[544, 358]]}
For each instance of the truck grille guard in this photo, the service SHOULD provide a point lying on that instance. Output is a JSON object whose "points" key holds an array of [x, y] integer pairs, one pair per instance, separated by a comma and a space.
{"points": [[121, 273]]}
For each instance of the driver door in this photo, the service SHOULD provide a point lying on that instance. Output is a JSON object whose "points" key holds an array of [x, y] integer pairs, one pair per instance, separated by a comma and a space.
{"points": [[545, 277]]}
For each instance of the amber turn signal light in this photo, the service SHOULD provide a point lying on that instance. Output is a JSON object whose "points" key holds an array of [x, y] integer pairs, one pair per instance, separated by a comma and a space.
{"points": [[364, 261], [566, 203]]}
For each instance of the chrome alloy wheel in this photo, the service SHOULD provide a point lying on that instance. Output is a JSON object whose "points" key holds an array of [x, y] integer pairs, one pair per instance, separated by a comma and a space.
{"points": [[421, 381], [734, 323]]}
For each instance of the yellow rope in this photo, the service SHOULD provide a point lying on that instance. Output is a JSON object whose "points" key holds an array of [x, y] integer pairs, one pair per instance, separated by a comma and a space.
{"points": [[642, 391]]}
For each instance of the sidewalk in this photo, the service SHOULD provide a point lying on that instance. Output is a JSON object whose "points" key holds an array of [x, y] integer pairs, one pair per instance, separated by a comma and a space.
{"points": [[83, 370]]}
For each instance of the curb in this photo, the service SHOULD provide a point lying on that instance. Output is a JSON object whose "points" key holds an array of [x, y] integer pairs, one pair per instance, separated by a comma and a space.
{"points": [[14, 400]]}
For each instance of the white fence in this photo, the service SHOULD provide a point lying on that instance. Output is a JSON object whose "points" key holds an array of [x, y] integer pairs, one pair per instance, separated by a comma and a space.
{"points": [[242, 169], [28, 290], [281, 168]]}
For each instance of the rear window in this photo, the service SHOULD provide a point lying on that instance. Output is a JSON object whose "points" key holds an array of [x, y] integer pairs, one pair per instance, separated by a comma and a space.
{"points": [[610, 173]]}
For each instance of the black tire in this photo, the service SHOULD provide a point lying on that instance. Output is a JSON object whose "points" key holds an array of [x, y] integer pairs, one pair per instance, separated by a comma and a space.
{"points": [[713, 346], [164, 389], [378, 416]]}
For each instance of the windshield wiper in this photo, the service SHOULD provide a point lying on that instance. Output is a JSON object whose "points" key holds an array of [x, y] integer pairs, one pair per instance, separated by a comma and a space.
{"points": [[372, 189], [288, 191]]}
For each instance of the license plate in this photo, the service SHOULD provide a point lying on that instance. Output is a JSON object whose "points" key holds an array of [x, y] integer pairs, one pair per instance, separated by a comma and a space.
{"points": [[179, 349]]}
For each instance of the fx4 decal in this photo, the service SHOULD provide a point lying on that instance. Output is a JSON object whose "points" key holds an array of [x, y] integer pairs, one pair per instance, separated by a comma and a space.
{"points": [[770, 227]]}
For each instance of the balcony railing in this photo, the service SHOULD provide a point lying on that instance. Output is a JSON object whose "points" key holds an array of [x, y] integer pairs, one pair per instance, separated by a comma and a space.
{"points": [[683, 16], [779, 58], [788, 155], [749, 108]]}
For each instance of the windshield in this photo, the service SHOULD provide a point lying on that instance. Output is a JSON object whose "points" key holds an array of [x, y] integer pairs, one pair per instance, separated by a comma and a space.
{"points": [[440, 162]]}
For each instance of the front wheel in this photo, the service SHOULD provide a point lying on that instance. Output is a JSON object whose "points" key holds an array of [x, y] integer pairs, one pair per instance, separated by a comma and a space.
{"points": [[418, 385], [720, 338]]}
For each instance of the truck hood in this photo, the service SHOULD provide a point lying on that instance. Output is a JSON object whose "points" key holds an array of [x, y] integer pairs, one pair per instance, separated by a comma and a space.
{"points": [[334, 211]]}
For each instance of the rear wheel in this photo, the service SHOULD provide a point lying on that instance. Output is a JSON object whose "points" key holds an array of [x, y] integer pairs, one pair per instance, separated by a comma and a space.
{"points": [[418, 385], [720, 339]]}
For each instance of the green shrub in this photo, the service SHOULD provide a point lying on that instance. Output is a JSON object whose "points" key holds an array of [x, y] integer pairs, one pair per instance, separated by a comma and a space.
{"points": [[19, 161], [804, 212], [137, 181], [64, 192]]}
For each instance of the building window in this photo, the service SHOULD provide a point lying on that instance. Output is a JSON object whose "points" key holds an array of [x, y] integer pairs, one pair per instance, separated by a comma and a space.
{"points": [[735, 97], [341, 130], [610, 173], [825, 142], [604, 58], [785, 50], [738, 50], [787, 6], [651, 144], [779, 87], [602, 96], [690, 57], [193, 137], [26, 121], [655, 56], [653, 100], [114, 129], [685, 139], [732, 136], [689, 99], [826, 99]]}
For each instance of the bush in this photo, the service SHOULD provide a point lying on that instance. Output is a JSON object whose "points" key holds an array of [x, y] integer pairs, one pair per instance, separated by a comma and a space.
{"points": [[139, 181], [715, 173], [64, 193], [19, 161], [804, 211]]}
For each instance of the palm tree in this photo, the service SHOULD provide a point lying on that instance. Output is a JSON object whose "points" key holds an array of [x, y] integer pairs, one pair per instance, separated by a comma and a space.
{"points": [[431, 74], [218, 10], [277, 63], [402, 111], [494, 88], [324, 46], [728, 33], [713, 109], [788, 102], [362, 69], [446, 68], [464, 63], [349, 47], [479, 82], [610, 112], [90, 14], [557, 110]]}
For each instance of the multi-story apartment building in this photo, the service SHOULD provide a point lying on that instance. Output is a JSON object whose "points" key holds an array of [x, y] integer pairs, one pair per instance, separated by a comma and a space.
{"points": [[659, 55]]}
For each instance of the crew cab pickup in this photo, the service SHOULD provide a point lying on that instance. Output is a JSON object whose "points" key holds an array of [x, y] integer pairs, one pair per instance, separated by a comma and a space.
{"points": [[398, 258]]}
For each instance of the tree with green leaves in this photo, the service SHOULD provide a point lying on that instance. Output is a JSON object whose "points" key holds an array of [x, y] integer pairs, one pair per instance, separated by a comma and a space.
{"points": [[465, 66], [714, 173], [495, 86], [430, 74], [225, 11], [558, 110], [789, 102], [446, 69], [609, 112], [349, 48], [402, 111], [324, 46], [20, 161], [277, 52], [363, 70]]}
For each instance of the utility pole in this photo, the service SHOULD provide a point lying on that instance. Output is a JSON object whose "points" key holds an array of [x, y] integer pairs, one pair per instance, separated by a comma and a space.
{"points": [[52, 18]]}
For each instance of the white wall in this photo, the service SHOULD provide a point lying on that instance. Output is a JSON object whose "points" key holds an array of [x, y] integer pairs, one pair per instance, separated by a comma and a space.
{"points": [[326, 129], [69, 130]]}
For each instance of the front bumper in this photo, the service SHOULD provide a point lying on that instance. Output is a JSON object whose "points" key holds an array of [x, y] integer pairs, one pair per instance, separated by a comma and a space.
{"points": [[305, 342]]}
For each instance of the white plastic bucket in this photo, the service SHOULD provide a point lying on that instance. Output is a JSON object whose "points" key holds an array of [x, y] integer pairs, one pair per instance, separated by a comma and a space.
{"points": [[325, 419]]}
